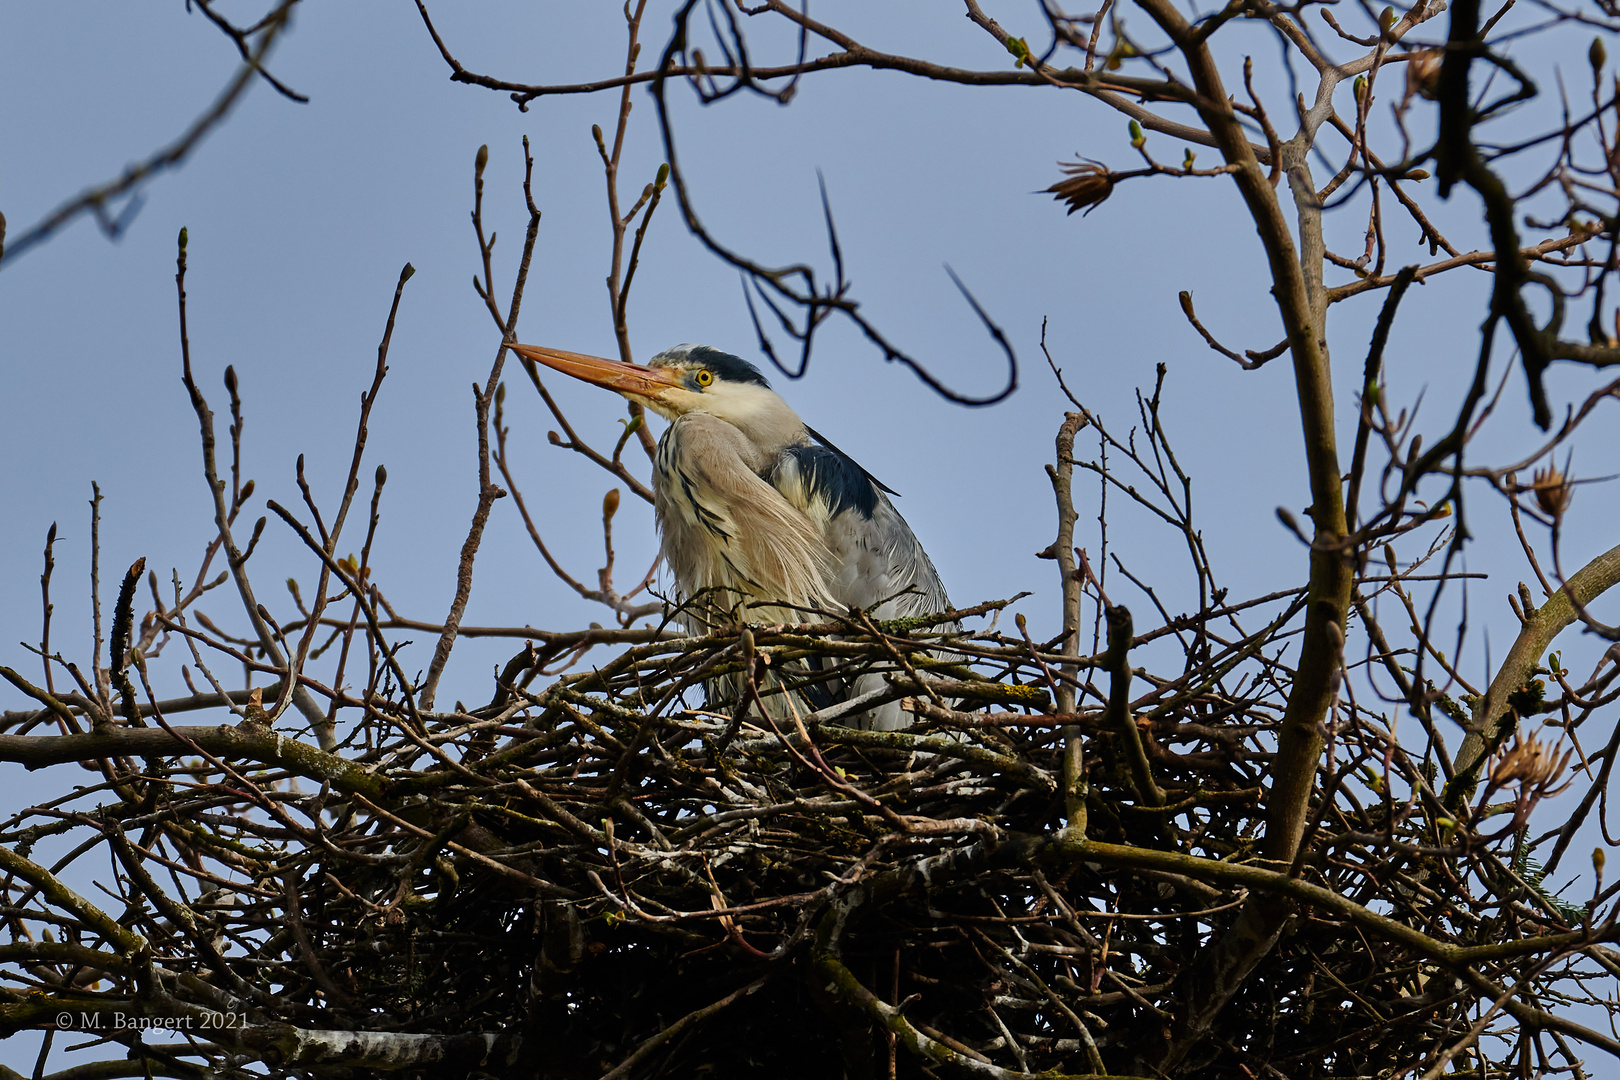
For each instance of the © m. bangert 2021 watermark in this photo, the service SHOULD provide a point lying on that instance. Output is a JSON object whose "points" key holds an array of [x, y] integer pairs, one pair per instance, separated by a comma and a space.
{"points": [[117, 1020]]}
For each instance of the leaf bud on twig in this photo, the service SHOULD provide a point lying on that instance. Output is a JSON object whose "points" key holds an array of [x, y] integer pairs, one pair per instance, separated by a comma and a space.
{"points": [[480, 161], [1138, 140], [1597, 55], [610, 504], [1291, 523]]}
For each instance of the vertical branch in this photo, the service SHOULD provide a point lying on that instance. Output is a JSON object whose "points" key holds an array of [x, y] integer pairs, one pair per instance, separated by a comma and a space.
{"points": [[483, 397], [47, 608], [619, 286], [354, 614], [1221, 972], [610, 162], [222, 516], [324, 733], [1119, 716], [1369, 388], [1074, 762], [118, 658], [1453, 149], [96, 674], [1301, 302]]}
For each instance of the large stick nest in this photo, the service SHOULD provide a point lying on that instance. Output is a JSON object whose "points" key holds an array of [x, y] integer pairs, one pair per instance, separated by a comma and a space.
{"points": [[580, 872]]}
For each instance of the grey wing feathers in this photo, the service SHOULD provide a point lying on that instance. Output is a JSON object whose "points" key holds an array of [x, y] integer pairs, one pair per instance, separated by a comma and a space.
{"points": [[884, 569], [877, 563], [881, 567]]}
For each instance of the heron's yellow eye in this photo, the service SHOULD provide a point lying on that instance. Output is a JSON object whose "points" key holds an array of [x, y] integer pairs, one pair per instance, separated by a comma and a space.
{"points": [[704, 377]]}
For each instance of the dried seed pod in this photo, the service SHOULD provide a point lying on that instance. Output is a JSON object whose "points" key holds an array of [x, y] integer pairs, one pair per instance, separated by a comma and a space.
{"points": [[1553, 491], [1086, 185], [1423, 73], [1536, 767]]}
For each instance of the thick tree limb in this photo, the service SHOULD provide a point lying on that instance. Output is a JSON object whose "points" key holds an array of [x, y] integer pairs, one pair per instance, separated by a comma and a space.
{"points": [[1494, 719]]}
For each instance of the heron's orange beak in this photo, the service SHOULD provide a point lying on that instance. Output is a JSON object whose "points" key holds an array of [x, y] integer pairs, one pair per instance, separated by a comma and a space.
{"points": [[630, 379]]}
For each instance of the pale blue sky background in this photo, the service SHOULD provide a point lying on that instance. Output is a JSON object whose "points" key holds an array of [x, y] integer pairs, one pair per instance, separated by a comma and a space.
{"points": [[300, 217]]}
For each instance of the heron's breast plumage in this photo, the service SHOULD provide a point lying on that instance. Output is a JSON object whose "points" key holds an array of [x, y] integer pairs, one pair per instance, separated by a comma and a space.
{"points": [[803, 524], [725, 528]]}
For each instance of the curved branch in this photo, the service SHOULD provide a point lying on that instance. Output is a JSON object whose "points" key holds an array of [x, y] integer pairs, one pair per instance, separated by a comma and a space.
{"points": [[1494, 719], [94, 200]]}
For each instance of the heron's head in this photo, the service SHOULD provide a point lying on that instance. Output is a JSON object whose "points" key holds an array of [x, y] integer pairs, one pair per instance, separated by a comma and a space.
{"points": [[687, 379]]}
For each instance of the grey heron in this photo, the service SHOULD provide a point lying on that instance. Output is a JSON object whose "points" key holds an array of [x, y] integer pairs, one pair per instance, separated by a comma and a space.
{"points": [[758, 514]]}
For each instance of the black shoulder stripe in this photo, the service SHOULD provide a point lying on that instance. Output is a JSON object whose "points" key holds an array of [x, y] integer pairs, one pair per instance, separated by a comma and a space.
{"points": [[824, 441], [844, 484]]}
